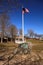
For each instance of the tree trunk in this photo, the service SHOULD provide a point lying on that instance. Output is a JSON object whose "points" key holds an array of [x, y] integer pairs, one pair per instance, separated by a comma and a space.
{"points": [[1, 40]]}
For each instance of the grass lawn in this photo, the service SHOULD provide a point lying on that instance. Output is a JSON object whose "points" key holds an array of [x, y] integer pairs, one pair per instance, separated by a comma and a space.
{"points": [[9, 46], [37, 47], [38, 44], [35, 41]]}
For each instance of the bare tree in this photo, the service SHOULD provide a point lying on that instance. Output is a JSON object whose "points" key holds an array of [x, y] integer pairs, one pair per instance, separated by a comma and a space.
{"points": [[11, 4], [35, 35], [4, 22], [31, 33], [13, 31]]}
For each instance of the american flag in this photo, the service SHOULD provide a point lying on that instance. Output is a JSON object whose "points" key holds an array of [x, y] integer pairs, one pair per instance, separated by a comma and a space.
{"points": [[25, 10]]}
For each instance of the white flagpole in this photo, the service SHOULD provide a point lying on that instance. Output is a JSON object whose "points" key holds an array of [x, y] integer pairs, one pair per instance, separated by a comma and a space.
{"points": [[23, 24], [23, 27]]}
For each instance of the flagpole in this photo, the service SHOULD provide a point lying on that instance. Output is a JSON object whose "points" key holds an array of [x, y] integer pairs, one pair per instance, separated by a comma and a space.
{"points": [[23, 11], [23, 27]]}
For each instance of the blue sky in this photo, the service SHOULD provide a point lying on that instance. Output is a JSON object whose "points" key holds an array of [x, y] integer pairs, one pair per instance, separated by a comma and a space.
{"points": [[33, 20]]}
